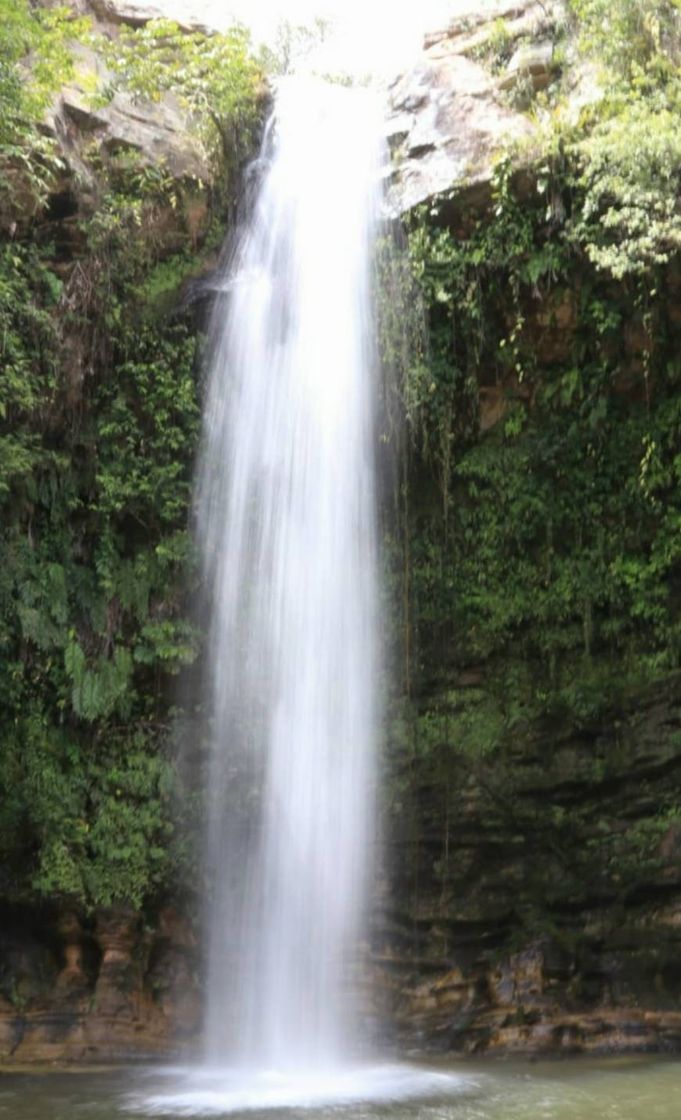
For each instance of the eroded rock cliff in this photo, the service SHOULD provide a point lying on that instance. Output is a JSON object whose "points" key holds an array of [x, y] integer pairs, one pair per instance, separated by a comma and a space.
{"points": [[115, 194], [534, 877], [531, 898]]}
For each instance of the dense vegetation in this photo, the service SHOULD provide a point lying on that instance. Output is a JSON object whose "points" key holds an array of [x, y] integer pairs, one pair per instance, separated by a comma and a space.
{"points": [[539, 546], [98, 429], [537, 560]]}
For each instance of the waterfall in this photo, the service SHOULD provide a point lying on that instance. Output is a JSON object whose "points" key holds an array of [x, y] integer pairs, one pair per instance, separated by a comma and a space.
{"points": [[286, 513]]}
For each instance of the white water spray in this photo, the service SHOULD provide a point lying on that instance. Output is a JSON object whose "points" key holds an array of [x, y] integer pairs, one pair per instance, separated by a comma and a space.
{"points": [[287, 526]]}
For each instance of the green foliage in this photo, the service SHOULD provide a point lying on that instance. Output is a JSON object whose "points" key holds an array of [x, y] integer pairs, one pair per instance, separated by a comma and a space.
{"points": [[468, 717], [497, 48], [553, 547], [34, 40], [215, 77], [28, 338], [630, 174], [632, 857], [147, 431], [97, 812], [547, 556], [467, 328], [631, 39], [626, 157], [99, 421], [91, 623]]}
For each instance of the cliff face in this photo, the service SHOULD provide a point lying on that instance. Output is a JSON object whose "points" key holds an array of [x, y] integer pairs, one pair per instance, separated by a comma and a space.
{"points": [[534, 769], [116, 189], [532, 889], [535, 902], [462, 104]]}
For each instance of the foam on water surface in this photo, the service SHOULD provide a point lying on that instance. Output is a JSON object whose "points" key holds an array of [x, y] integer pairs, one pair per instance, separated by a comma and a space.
{"points": [[215, 1092]]}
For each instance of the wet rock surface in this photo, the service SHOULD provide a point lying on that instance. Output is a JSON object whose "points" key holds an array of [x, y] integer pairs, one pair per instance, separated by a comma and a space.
{"points": [[519, 925], [75, 991]]}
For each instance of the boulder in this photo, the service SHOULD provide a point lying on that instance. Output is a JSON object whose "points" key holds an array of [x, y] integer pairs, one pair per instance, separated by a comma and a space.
{"points": [[160, 134], [127, 11], [535, 61], [452, 116], [135, 13]]}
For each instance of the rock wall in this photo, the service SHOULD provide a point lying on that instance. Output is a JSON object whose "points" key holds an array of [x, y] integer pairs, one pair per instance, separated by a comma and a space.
{"points": [[533, 885], [98, 988], [454, 113], [517, 923], [531, 899], [110, 249]]}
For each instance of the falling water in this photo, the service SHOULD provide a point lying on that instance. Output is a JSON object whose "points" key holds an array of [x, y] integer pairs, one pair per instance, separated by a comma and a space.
{"points": [[286, 514]]}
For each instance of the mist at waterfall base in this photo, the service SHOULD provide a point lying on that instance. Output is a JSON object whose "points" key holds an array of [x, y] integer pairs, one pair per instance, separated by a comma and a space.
{"points": [[287, 526]]}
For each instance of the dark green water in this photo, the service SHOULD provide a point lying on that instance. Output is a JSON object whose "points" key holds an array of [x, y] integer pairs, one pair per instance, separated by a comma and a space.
{"points": [[617, 1089]]}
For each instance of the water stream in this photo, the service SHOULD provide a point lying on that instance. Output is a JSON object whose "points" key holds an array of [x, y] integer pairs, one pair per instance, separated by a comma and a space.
{"points": [[287, 527]]}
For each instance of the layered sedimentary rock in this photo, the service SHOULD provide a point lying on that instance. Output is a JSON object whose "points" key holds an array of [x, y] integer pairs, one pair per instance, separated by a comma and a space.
{"points": [[515, 923], [101, 987]]}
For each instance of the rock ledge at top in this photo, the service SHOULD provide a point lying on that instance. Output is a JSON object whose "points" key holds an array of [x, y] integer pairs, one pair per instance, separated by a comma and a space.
{"points": [[93, 137], [452, 116], [135, 13]]}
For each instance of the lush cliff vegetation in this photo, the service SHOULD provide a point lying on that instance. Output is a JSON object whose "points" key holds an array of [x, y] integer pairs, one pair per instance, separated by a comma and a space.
{"points": [[536, 760], [534, 781], [544, 405], [98, 428]]}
